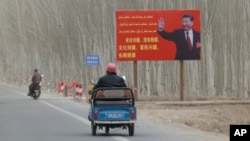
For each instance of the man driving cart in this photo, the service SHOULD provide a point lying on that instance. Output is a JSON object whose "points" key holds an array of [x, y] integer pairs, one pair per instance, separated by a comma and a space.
{"points": [[112, 103]]}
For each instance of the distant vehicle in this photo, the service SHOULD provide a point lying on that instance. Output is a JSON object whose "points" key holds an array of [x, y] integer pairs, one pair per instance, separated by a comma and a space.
{"points": [[36, 92], [112, 108], [90, 89]]}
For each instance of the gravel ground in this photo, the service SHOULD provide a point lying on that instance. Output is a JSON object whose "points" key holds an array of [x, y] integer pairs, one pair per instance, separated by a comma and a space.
{"points": [[210, 116]]}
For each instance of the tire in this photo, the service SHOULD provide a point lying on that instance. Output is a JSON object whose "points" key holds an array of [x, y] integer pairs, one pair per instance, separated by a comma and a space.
{"points": [[93, 128], [34, 96], [106, 130], [131, 129]]}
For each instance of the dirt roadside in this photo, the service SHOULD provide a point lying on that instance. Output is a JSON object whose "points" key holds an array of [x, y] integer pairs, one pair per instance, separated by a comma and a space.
{"points": [[211, 116]]}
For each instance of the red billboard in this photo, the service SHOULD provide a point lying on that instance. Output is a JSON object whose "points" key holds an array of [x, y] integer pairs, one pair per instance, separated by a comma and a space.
{"points": [[158, 35]]}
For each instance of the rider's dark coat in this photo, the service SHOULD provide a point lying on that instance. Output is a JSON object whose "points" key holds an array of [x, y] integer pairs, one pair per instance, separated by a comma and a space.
{"points": [[110, 80]]}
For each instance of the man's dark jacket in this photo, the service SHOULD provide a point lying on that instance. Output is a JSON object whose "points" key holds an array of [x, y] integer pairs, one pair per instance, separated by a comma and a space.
{"points": [[182, 51], [110, 80], [36, 78]]}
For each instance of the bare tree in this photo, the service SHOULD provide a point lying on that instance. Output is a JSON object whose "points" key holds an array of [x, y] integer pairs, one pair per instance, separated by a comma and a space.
{"points": [[56, 35]]}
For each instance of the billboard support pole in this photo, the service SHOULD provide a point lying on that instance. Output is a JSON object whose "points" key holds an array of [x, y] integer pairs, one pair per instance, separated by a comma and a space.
{"points": [[181, 80], [135, 80]]}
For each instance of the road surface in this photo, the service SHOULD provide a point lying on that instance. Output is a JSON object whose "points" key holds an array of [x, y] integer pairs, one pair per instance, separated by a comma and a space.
{"points": [[53, 118]]}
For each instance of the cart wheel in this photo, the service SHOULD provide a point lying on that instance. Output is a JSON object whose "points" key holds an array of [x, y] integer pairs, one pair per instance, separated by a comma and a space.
{"points": [[107, 130], [131, 129], [93, 127]]}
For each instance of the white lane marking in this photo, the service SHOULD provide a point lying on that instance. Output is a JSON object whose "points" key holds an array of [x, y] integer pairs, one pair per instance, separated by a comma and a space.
{"points": [[85, 121], [67, 112]]}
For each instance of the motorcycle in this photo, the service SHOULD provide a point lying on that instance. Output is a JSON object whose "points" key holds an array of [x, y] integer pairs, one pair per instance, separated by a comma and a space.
{"points": [[36, 91]]}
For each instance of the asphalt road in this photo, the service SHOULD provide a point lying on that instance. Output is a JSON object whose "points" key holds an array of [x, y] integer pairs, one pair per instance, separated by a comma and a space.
{"points": [[53, 118]]}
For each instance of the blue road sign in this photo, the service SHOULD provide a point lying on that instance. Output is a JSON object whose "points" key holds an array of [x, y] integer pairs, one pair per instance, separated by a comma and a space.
{"points": [[92, 60]]}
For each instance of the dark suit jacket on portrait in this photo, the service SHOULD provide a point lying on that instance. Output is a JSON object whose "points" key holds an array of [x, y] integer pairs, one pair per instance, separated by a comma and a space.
{"points": [[182, 51]]}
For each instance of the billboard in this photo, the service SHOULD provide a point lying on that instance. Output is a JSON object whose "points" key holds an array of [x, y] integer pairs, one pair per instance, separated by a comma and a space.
{"points": [[158, 35]]}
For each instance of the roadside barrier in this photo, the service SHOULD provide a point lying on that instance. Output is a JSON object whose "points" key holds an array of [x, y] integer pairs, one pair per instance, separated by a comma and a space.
{"points": [[74, 89], [61, 88], [79, 92]]}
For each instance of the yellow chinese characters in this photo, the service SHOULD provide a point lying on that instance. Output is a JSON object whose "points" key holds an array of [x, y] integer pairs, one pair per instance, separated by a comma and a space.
{"points": [[127, 47], [148, 47], [127, 55], [150, 39], [133, 40]]}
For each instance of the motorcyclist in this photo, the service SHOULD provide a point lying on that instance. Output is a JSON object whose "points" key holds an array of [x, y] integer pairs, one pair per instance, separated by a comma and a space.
{"points": [[36, 79], [111, 79]]}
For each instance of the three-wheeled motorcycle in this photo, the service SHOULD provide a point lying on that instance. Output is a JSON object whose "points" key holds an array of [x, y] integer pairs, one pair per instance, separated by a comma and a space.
{"points": [[112, 108]]}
